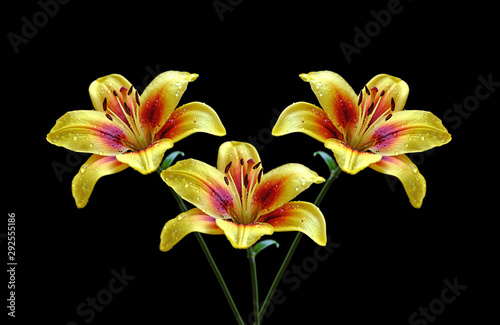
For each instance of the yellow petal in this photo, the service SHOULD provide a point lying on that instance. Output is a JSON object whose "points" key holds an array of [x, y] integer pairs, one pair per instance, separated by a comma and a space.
{"points": [[185, 223], [201, 185], [90, 172], [306, 118], [103, 88], [88, 131], [407, 172], [233, 151], [282, 184], [350, 160], [147, 160], [243, 236], [299, 216], [409, 131], [161, 97], [191, 118], [336, 96], [394, 88]]}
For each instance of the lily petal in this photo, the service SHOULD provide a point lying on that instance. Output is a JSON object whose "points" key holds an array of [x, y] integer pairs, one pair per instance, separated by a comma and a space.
{"points": [[200, 184], [147, 160], [393, 89], [306, 118], [299, 216], [234, 151], [185, 223], [243, 236], [90, 172], [191, 118], [161, 97], [282, 184], [103, 88], [336, 96], [409, 131], [407, 172], [88, 131], [350, 160]]}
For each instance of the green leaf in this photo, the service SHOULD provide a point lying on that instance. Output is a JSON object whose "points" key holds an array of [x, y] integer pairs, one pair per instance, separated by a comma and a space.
{"points": [[167, 162], [328, 160], [264, 244]]}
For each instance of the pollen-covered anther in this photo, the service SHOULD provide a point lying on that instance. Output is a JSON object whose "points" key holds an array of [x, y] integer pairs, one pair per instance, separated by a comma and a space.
{"points": [[388, 117], [137, 98], [226, 180], [360, 98], [227, 167], [260, 175], [109, 117], [127, 109], [370, 109], [393, 104], [257, 165], [246, 181], [105, 104], [367, 91], [130, 90]]}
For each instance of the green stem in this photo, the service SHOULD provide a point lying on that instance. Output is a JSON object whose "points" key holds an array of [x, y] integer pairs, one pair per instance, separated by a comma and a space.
{"points": [[219, 277], [210, 259], [255, 286], [333, 175]]}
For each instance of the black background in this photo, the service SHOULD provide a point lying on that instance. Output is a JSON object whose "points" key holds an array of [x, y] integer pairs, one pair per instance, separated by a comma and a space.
{"points": [[392, 259]]}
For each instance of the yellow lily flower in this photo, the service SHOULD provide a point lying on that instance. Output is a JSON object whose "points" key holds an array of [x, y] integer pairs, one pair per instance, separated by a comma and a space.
{"points": [[237, 199], [128, 130], [367, 130]]}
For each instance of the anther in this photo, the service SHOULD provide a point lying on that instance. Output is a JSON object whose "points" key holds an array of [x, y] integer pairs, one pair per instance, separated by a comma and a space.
{"points": [[246, 180], [137, 98], [242, 161], [382, 93], [260, 176], [360, 97], [127, 109], [109, 117], [257, 166], [370, 109], [226, 180], [388, 117], [105, 104], [115, 93], [227, 167], [393, 104], [130, 90], [367, 91]]}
